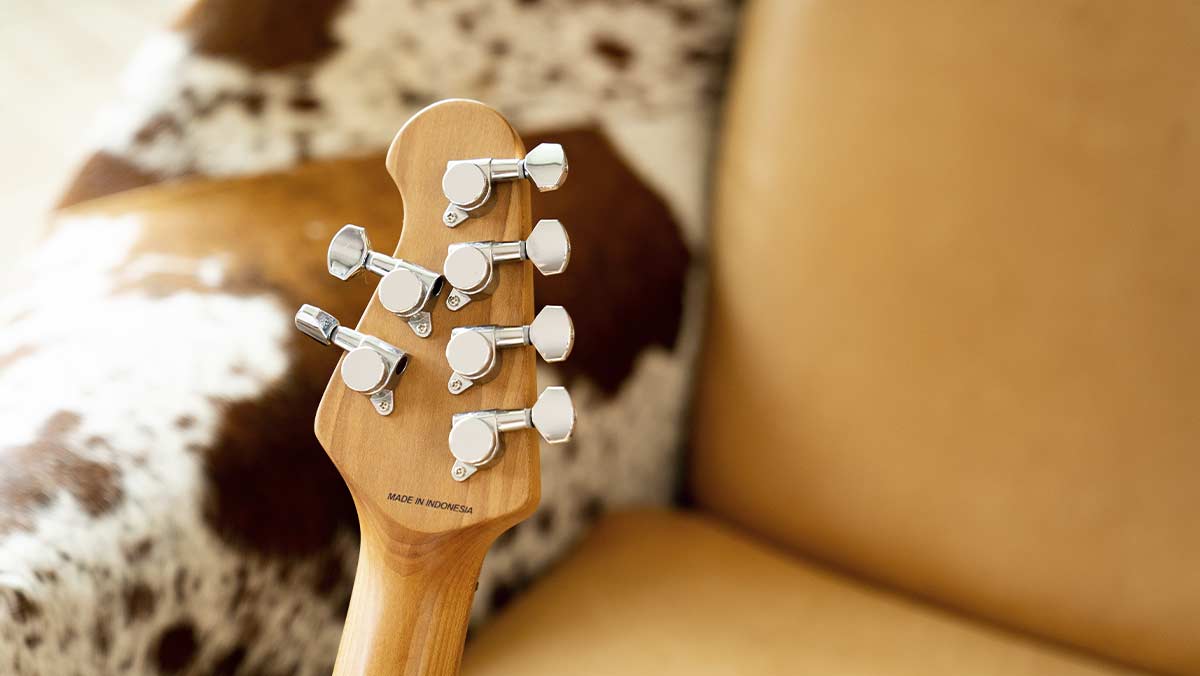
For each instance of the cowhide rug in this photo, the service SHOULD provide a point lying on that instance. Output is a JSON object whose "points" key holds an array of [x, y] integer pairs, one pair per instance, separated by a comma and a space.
{"points": [[138, 533]]}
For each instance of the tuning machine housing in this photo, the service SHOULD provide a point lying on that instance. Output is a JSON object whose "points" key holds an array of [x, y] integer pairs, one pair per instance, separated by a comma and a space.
{"points": [[406, 289], [468, 183], [473, 352], [475, 440], [470, 267], [371, 367]]}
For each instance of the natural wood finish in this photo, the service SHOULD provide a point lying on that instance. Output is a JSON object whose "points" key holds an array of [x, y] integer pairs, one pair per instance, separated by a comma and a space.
{"points": [[418, 565]]}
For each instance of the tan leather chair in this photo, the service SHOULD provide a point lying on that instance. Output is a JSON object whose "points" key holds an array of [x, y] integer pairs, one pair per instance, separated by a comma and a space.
{"points": [[952, 357]]}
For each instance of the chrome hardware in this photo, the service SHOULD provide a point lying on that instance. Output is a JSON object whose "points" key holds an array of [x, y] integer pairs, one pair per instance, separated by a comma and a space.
{"points": [[407, 290], [468, 183], [475, 437], [470, 266], [371, 366], [473, 351]]}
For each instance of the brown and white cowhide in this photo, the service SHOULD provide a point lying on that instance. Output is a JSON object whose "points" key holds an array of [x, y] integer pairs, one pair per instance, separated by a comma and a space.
{"points": [[151, 385]]}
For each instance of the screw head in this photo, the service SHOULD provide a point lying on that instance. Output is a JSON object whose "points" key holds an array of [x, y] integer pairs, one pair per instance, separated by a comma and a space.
{"points": [[460, 471], [546, 164]]}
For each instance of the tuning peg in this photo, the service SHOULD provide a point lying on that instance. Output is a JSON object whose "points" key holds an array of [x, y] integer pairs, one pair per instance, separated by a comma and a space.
{"points": [[470, 266], [407, 290], [473, 350], [475, 437], [468, 183], [371, 366]]}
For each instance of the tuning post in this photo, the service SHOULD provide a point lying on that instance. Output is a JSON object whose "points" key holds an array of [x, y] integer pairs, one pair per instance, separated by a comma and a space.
{"points": [[406, 289], [470, 267], [475, 437], [473, 351], [371, 367], [468, 183]]}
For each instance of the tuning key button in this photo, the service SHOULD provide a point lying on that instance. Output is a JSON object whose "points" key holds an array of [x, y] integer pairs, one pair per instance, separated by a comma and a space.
{"points": [[468, 183], [470, 267], [472, 351], [475, 438], [553, 415], [406, 289], [371, 367]]}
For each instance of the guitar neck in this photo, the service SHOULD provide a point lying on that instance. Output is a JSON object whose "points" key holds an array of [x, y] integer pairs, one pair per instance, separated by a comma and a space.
{"points": [[411, 603]]}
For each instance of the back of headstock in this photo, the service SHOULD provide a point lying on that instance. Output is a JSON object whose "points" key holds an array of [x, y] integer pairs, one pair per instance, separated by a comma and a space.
{"points": [[441, 460]]}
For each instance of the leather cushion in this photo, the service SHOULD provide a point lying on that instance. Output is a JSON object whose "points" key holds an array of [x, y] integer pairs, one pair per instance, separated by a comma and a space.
{"points": [[954, 337], [672, 593]]}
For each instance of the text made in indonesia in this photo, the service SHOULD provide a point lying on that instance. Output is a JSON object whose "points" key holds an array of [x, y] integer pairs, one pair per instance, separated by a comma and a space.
{"points": [[430, 503]]}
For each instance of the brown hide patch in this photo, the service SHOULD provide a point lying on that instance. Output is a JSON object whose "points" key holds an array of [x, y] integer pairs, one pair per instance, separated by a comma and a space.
{"points": [[616, 53], [36, 471], [272, 488], [252, 100], [624, 287], [139, 601], [139, 551], [262, 34], [229, 663], [163, 124], [102, 634], [176, 648], [22, 608], [104, 174]]}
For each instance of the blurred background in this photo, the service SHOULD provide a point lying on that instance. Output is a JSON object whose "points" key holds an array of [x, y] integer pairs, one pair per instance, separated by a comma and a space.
{"points": [[886, 331], [59, 63]]}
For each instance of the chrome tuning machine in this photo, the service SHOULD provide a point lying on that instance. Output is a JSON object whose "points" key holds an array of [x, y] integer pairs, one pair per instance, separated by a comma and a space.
{"points": [[475, 437], [371, 366], [473, 351], [468, 183], [470, 267], [406, 289]]}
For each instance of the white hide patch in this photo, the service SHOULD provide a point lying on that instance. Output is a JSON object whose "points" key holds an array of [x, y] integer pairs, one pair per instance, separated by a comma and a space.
{"points": [[129, 366]]}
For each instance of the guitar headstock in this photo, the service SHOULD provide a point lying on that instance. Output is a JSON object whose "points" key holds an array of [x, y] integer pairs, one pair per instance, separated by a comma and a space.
{"points": [[427, 449]]}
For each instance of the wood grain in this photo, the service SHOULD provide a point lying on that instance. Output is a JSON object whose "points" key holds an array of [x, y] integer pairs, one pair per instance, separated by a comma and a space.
{"points": [[418, 564]]}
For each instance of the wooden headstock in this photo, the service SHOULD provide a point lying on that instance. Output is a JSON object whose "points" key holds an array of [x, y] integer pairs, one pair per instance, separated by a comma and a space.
{"points": [[424, 535]]}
